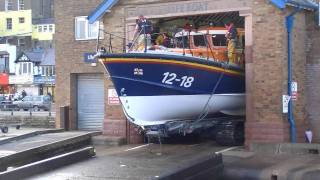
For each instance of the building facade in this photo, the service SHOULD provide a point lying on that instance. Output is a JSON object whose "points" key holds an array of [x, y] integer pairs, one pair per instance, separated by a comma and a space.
{"points": [[34, 73], [20, 20], [266, 57], [7, 58], [29, 26]]}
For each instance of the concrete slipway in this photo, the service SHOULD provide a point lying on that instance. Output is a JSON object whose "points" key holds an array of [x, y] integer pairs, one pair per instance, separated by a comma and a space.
{"points": [[193, 160]]}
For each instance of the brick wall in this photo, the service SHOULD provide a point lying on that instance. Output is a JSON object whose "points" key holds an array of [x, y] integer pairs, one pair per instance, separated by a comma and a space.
{"points": [[268, 75], [313, 76], [69, 53], [69, 64]]}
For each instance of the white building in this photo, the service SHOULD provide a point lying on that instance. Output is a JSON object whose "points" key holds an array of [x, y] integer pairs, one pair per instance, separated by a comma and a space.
{"points": [[34, 73], [25, 69]]}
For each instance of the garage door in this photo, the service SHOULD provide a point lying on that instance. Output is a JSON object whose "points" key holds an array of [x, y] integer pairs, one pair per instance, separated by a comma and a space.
{"points": [[90, 102]]}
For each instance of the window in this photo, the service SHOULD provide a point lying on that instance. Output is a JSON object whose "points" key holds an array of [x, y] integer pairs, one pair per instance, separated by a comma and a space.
{"points": [[183, 42], [24, 68], [29, 69], [47, 71], [53, 71], [21, 42], [219, 40], [45, 28], [40, 29], [27, 98], [21, 20], [50, 71], [43, 70], [20, 4], [9, 41], [38, 98], [84, 30], [9, 5], [199, 40], [9, 23], [50, 28]]}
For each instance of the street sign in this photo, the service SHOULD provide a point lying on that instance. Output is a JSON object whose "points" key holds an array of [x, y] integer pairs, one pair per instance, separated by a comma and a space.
{"points": [[285, 103], [294, 91]]}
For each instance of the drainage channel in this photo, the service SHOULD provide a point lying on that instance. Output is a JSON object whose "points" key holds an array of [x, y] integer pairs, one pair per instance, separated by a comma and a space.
{"points": [[25, 153]]}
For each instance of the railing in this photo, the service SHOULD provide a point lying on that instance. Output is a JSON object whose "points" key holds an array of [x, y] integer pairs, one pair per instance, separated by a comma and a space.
{"points": [[15, 110], [179, 42]]}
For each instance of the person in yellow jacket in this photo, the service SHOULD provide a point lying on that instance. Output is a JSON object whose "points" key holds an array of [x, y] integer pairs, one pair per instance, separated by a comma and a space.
{"points": [[231, 36]]}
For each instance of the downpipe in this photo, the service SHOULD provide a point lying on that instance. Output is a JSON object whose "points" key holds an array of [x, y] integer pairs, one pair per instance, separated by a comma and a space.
{"points": [[289, 26]]}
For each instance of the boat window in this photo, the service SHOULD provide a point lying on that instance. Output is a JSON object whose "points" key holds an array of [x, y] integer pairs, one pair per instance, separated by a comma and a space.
{"points": [[219, 40], [182, 41], [199, 40]]}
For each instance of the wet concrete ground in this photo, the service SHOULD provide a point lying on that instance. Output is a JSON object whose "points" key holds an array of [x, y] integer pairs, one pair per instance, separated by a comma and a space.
{"points": [[141, 163], [132, 162]]}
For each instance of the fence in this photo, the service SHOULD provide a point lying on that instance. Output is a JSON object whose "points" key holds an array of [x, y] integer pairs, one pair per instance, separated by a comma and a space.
{"points": [[13, 110]]}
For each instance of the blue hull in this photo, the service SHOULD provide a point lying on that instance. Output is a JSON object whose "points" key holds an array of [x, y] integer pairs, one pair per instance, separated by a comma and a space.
{"points": [[157, 74]]}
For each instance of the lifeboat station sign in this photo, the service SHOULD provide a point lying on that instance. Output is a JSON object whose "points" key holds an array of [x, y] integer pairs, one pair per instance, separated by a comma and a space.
{"points": [[89, 57]]}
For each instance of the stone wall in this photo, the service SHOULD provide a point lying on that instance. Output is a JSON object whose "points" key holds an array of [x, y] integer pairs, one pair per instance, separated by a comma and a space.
{"points": [[29, 121]]}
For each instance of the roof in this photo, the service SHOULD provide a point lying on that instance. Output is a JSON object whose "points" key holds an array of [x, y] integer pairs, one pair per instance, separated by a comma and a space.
{"points": [[304, 4], [48, 58], [104, 7], [34, 56], [42, 57]]}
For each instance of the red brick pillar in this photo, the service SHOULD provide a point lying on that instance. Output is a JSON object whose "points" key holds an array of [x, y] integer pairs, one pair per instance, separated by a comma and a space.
{"points": [[116, 124], [266, 75]]}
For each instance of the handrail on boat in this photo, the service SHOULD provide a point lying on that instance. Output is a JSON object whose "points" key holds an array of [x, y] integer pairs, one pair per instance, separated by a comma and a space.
{"points": [[209, 52]]}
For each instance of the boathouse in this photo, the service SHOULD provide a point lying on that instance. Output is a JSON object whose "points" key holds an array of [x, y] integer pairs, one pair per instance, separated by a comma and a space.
{"points": [[90, 101]]}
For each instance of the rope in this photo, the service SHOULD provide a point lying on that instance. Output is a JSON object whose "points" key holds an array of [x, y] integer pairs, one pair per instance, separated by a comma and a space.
{"points": [[205, 109]]}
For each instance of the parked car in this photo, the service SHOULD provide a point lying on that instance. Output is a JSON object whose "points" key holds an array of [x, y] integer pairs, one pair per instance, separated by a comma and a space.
{"points": [[2, 99], [35, 102], [6, 103]]}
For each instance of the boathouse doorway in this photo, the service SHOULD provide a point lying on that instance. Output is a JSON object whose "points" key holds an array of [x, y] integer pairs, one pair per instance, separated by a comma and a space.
{"points": [[196, 43]]}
